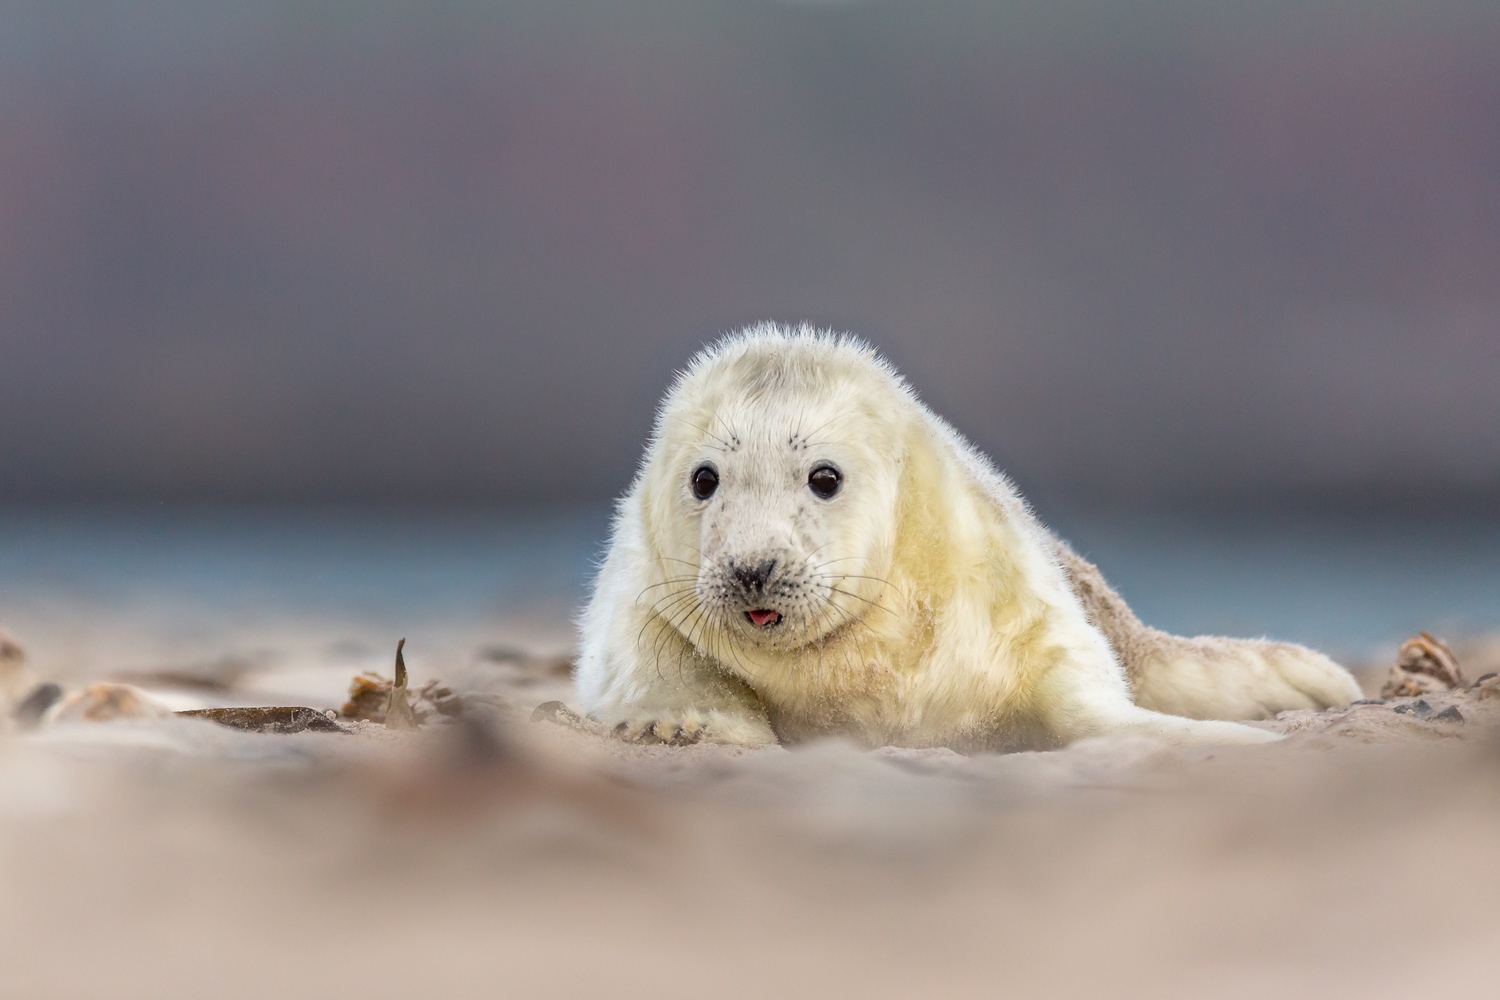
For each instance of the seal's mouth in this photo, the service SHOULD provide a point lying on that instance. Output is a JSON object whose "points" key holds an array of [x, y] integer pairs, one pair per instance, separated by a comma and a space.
{"points": [[762, 618]]}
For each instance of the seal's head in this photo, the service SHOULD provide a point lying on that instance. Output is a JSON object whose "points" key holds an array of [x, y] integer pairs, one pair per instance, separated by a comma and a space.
{"points": [[770, 487]]}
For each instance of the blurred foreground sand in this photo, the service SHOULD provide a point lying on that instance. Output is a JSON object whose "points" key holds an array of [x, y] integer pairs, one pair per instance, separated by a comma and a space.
{"points": [[180, 859]]}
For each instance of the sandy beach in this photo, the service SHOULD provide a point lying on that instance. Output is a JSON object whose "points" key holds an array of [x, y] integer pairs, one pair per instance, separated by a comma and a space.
{"points": [[497, 855]]}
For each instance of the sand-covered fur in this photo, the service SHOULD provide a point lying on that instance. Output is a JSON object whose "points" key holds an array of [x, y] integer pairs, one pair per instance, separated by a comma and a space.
{"points": [[807, 550], [1209, 676]]}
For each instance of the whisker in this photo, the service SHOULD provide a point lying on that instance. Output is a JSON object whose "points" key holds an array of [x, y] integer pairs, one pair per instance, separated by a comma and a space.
{"points": [[850, 616], [683, 586], [734, 651], [690, 648], [661, 627], [820, 428], [666, 583], [848, 576], [866, 600], [677, 617], [729, 428], [658, 612], [723, 445], [670, 601]]}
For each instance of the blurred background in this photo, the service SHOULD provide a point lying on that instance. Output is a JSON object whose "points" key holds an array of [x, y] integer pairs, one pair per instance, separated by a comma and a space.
{"points": [[357, 312]]}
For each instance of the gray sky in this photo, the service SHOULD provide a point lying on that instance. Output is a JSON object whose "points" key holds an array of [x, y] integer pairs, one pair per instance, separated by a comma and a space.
{"points": [[439, 251]]}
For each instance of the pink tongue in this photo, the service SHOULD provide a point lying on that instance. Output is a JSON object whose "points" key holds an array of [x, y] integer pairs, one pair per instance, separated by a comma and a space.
{"points": [[764, 617]]}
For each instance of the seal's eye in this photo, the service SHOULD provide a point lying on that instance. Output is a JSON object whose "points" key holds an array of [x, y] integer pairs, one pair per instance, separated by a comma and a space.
{"points": [[825, 480], [705, 481]]}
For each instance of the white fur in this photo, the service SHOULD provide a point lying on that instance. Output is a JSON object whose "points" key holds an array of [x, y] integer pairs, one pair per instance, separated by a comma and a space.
{"points": [[923, 605]]}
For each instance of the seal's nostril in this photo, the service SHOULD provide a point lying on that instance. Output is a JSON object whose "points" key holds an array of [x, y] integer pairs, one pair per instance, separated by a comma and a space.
{"points": [[763, 572], [753, 577]]}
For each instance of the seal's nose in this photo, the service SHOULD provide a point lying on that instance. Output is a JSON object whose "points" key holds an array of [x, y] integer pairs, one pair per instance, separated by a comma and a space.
{"points": [[752, 577]]}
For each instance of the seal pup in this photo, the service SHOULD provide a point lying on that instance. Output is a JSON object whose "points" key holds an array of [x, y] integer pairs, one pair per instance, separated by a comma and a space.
{"points": [[807, 550]]}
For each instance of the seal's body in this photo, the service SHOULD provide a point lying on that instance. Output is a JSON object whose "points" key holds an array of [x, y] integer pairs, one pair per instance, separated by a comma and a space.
{"points": [[808, 551]]}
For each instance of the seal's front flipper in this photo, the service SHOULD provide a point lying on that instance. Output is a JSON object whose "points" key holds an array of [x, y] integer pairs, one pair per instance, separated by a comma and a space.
{"points": [[685, 727]]}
